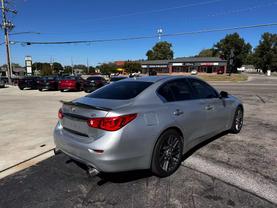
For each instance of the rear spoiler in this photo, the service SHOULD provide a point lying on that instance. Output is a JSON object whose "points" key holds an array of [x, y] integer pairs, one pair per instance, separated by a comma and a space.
{"points": [[84, 105]]}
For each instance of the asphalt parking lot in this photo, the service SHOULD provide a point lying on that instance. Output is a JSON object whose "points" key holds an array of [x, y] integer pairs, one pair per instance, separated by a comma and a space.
{"points": [[227, 171]]}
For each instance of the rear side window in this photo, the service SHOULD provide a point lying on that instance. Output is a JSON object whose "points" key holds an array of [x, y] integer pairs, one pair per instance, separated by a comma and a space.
{"points": [[94, 78], [176, 90], [203, 90], [120, 90]]}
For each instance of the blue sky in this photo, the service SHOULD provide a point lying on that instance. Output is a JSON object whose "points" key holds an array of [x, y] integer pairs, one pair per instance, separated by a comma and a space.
{"points": [[65, 20]]}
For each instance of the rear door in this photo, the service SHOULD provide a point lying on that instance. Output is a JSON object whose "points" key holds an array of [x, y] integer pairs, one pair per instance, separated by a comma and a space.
{"points": [[214, 107], [188, 113]]}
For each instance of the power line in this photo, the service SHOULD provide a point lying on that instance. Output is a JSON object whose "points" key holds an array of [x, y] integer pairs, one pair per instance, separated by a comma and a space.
{"points": [[22, 33], [143, 37]]}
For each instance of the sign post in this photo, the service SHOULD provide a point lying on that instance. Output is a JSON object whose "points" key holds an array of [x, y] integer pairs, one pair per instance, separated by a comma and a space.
{"points": [[28, 65]]}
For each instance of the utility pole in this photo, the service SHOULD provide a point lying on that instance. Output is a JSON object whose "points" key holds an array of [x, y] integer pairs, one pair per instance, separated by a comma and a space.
{"points": [[7, 26]]}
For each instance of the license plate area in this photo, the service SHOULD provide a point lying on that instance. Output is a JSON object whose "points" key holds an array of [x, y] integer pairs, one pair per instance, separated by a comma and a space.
{"points": [[76, 124]]}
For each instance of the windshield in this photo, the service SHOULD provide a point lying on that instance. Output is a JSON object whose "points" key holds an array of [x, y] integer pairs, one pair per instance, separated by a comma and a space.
{"points": [[121, 90]]}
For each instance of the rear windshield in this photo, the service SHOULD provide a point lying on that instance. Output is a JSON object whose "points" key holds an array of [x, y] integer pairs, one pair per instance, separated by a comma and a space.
{"points": [[117, 78], [69, 78], [94, 78], [120, 90], [48, 78]]}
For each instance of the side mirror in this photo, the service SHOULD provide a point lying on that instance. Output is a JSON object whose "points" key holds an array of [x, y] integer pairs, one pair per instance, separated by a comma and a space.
{"points": [[223, 94]]}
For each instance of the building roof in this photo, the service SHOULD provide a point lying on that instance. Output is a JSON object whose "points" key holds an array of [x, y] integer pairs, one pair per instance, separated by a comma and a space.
{"points": [[199, 59], [184, 59], [156, 62], [19, 69]]}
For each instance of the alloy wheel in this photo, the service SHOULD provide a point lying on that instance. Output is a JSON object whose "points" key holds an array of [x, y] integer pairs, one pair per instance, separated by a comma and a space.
{"points": [[170, 153], [239, 120]]}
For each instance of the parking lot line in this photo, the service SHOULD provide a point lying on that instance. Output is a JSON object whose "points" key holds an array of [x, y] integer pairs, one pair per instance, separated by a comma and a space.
{"points": [[237, 177]]}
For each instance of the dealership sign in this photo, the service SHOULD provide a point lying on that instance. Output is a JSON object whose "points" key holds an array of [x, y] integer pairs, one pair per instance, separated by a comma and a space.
{"points": [[28, 64], [209, 64], [153, 66]]}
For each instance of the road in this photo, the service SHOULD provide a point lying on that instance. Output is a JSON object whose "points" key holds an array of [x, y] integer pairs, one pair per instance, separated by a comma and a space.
{"points": [[227, 171]]}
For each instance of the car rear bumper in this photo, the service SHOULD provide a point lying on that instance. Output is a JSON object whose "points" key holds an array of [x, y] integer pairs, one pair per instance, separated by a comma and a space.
{"points": [[47, 87], [113, 159], [67, 87], [90, 88]]}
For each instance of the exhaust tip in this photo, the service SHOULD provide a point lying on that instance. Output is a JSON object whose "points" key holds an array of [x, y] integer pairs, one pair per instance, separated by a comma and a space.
{"points": [[92, 172]]}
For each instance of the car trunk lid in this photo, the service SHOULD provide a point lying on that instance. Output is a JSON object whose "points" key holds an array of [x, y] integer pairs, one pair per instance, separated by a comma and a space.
{"points": [[77, 112]]}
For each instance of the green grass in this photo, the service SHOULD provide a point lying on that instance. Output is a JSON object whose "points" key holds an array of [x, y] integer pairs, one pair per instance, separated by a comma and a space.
{"points": [[223, 77]]}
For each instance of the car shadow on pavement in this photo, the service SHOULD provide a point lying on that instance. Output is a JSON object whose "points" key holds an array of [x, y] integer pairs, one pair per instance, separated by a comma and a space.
{"points": [[199, 146], [60, 182]]}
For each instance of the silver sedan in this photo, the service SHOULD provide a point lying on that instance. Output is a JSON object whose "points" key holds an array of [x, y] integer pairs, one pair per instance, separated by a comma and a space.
{"points": [[144, 123]]}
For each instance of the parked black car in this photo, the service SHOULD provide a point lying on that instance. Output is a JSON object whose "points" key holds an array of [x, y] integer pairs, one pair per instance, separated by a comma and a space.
{"points": [[94, 82], [117, 78], [28, 82], [2, 82], [48, 83]]}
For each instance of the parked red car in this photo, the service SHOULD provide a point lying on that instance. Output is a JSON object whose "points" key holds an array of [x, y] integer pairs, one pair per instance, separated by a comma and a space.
{"points": [[70, 83], [220, 71]]}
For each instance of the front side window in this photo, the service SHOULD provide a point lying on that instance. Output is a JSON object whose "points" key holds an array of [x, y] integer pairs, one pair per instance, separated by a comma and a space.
{"points": [[203, 90], [177, 90]]}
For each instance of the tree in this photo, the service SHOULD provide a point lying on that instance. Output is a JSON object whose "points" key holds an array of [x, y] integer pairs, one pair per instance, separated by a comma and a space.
{"points": [[107, 68], [80, 66], [132, 67], [15, 65], [67, 70], [160, 51], [91, 70], [57, 67], [46, 69], [234, 42], [37, 66], [206, 53], [265, 55]]}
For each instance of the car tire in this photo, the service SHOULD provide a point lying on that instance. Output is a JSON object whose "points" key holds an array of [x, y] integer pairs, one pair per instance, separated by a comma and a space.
{"points": [[21, 88], [61, 90], [40, 89], [167, 154], [237, 121]]}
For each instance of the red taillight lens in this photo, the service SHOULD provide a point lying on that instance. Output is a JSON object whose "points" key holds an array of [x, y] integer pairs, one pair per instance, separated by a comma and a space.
{"points": [[111, 123], [60, 114]]}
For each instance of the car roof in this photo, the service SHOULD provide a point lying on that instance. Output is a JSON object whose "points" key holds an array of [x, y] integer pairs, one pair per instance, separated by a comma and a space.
{"points": [[148, 78], [158, 78]]}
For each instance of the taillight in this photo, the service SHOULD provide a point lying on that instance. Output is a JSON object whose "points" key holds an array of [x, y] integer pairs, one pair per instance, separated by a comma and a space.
{"points": [[111, 123], [60, 114]]}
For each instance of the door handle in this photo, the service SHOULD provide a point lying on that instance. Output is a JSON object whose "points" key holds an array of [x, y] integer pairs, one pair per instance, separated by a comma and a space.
{"points": [[209, 107], [178, 112]]}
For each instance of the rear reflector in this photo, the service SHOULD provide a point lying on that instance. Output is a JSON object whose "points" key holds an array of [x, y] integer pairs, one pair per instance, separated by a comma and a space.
{"points": [[111, 123], [60, 114]]}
